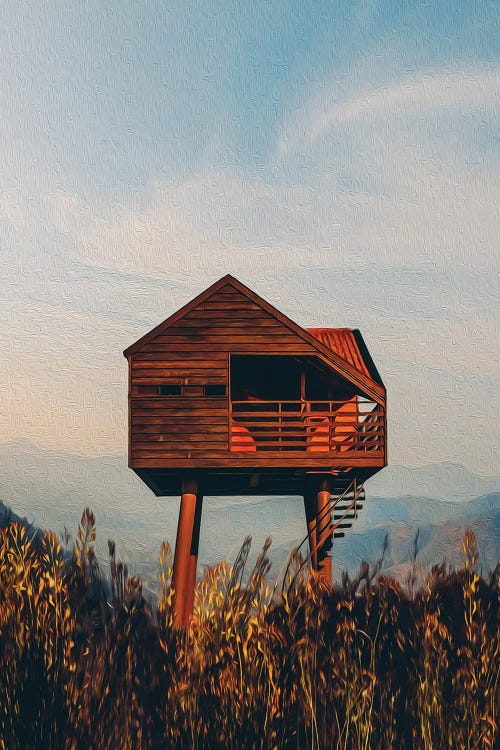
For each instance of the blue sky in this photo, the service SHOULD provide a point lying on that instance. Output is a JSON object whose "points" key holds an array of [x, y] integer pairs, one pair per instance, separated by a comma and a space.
{"points": [[339, 158]]}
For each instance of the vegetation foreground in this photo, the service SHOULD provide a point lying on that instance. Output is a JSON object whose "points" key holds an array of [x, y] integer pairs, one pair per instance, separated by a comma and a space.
{"points": [[86, 663]]}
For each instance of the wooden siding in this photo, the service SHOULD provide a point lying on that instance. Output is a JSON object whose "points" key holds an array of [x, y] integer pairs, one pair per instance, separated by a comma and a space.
{"points": [[195, 352], [171, 426], [227, 322], [174, 427]]}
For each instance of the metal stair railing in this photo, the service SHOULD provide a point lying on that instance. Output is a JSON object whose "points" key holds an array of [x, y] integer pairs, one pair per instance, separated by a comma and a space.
{"points": [[347, 511]]}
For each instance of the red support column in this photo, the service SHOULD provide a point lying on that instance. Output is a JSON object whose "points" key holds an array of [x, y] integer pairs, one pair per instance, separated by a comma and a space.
{"points": [[323, 533], [310, 507], [185, 528], [193, 559]]}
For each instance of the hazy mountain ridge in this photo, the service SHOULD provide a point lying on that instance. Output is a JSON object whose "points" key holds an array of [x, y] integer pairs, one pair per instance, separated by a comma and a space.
{"points": [[445, 481], [438, 540], [411, 508], [52, 488], [7, 516]]}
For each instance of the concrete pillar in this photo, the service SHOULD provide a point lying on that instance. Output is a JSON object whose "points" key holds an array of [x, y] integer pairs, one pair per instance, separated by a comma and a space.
{"points": [[185, 528]]}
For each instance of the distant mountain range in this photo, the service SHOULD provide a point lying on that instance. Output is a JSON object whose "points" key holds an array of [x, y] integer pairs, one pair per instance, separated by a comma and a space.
{"points": [[440, 500], [7, 516], [441, 527], [443, 481]]}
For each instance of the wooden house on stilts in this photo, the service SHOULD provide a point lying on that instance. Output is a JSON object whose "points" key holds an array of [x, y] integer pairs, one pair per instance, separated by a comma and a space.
{"points": [[228, 396]]}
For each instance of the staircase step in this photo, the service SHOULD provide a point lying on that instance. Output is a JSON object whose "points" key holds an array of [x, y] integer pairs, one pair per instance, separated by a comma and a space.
{"points": [[339, 508], [353, 509], [342, 511]]}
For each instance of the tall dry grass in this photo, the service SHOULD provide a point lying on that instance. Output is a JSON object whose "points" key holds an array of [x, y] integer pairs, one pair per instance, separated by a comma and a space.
{"points": [[86, 662]]}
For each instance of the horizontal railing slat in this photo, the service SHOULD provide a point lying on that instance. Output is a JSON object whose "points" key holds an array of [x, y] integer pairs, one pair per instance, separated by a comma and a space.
{"points": [[308, 426]]}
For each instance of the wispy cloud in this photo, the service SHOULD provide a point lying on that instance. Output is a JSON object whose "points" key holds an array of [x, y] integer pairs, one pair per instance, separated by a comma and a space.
{"points": [[410, 96]]}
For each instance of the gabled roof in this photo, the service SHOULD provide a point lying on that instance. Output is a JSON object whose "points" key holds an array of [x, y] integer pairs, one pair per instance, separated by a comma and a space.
{"points": [[360, 377]]}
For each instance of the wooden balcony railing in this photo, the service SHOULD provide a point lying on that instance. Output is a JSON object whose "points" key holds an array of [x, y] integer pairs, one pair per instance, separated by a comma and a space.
{"points": [[307, 426]]}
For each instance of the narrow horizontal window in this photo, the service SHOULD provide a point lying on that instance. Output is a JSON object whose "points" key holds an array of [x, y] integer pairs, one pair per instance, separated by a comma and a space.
{"points": [[170, 390], [215, 390]]}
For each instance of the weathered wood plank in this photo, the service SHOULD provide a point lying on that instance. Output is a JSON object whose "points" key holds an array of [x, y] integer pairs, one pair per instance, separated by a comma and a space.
{"points": [[191, 435], [294, 423], [157, 369], [167, 420], [320, 462], [296, 348], [179, 380], [286, 430], [209, 323], [173, 358], [180, 416], [219, 442], [227, 329], [195, 433], [176, 429], [228, 304], [204, 403], [143, 390], [229, 293], [168, 458], [242, 315], [238, 442], [177, 442], [227, 336]]}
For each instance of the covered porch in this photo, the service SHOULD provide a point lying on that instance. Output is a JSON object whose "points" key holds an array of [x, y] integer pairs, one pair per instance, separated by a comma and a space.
{"points": [[295, 404]]}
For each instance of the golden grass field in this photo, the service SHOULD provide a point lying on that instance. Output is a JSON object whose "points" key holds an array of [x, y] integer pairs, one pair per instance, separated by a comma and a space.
{"points": [[86, 662]]}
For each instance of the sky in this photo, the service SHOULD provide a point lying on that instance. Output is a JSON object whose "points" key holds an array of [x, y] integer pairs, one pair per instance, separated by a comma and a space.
{"points": [[340, 158]]}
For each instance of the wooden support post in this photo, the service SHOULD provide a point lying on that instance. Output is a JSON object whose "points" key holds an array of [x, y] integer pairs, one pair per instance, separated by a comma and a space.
{"points": [[323, 532], [311, 513], [193, 559], [185, 528]]}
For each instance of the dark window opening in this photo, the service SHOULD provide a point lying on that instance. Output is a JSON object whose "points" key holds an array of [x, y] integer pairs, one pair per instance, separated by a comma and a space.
{"points": [[318, 385], [265, 377], [170, 390], [285, 378], [217, 391]]}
